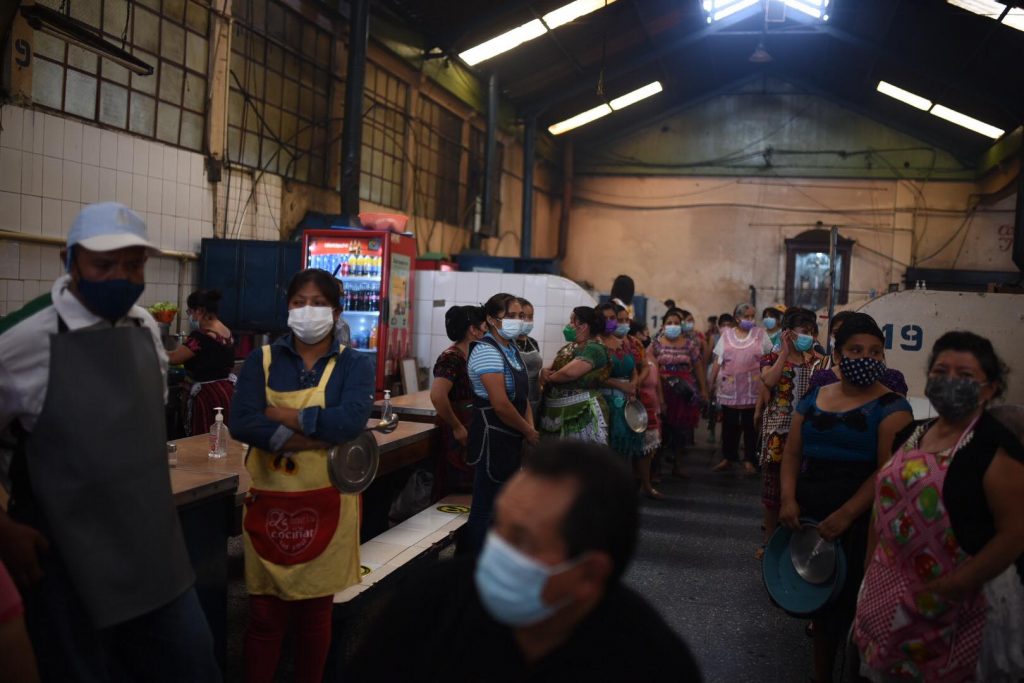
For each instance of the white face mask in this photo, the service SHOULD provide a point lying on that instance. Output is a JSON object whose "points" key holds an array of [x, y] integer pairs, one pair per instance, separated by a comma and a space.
{"points": [[311, 323]]}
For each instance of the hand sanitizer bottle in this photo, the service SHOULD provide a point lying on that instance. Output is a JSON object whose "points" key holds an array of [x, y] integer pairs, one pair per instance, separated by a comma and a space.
{"points": [[218, 436], [385, 411]]}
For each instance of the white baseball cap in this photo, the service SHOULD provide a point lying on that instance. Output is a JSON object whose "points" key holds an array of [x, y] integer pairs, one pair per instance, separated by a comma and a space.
{"points": [[108, 226]]}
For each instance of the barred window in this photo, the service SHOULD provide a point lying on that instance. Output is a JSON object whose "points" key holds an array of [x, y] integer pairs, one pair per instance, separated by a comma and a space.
{"points": [[438, 154], [475, 180], [170, 35], [280, 91], [382, 161]]}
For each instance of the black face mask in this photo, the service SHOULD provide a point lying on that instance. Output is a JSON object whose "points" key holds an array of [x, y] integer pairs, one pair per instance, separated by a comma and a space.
{"points": [[647, 342], [954, 398]]}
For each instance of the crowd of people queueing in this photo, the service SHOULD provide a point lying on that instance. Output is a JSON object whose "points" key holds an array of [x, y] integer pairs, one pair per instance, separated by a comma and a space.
{"points": [[935, 586], [96, 581]]}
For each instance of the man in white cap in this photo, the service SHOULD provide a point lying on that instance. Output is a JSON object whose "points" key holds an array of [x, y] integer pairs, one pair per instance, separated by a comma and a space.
{"points": [[92, 534]]}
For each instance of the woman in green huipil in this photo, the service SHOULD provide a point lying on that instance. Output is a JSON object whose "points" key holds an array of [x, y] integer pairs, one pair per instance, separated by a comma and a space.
{"points": [[572, 406]]}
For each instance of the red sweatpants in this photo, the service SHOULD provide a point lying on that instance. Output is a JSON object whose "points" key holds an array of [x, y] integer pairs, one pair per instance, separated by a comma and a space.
{"points": [[269, 619]]}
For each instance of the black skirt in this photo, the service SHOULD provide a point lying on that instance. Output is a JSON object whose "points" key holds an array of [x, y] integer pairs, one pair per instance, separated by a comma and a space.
{"points": [[823, 487]]}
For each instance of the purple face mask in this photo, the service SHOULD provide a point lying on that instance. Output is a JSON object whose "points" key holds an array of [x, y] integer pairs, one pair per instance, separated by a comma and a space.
{"points": [[610, 325], [747, 325]]}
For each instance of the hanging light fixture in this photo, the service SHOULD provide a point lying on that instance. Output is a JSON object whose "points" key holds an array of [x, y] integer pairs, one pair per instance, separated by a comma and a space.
{"points": [[80, 34], [760, 55]]}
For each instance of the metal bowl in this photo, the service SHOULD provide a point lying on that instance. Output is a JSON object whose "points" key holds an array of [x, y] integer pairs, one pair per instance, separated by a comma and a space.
{"points": [[813, 557], [636, 416], [352, 466]]}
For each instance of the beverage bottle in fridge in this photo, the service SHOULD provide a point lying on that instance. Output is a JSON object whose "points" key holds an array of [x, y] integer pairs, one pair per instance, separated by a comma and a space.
{"points": [[344, 265], [373, 337]]}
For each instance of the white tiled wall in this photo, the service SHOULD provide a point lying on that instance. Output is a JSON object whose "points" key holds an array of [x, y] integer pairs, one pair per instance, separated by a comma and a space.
{"points": [[553, 299], [50, 166]]}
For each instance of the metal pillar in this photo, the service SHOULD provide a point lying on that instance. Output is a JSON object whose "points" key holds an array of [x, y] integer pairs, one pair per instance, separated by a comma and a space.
{"points": [[833, 243], [529, 152], [490, 158], [352, 127], [1018, 222]]}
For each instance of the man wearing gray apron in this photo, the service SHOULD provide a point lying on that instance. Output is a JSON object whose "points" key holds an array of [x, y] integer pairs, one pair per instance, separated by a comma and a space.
{"points": [[92, 536]]}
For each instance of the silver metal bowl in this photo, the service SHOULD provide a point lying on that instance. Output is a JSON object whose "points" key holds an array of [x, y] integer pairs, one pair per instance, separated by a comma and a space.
{"points": [[636, 416], [352, 466]]}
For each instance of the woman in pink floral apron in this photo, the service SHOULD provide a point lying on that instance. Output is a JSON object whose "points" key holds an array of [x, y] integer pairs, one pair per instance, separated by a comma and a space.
{"points": [[736, 378], [943, 595]]}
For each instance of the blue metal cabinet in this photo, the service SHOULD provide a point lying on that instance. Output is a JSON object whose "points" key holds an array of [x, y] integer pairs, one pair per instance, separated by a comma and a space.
{"points": [[253, 276]]}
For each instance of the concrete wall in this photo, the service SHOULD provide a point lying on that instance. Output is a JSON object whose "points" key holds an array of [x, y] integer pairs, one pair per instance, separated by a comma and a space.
{"points": [[703, 241]]}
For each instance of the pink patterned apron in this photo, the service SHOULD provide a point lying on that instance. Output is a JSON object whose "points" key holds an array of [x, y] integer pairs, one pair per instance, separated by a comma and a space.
{"points": [[739, 382], [904, 631]]}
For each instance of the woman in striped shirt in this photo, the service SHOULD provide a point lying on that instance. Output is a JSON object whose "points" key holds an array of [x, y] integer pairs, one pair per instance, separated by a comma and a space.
{"points": [[503, 419]]}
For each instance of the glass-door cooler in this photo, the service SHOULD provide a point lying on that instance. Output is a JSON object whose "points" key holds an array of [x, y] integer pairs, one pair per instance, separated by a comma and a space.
{"points": [[375, 269]]}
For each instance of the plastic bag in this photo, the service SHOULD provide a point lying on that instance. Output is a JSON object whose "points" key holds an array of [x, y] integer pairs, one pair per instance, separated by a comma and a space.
{"points": [[413, 498]]}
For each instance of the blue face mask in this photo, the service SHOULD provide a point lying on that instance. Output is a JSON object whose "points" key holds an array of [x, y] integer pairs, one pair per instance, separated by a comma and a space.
{"points": [[688, 326], [621, 330], [770, 323], [511, 584], [110, 299], [673, 331], [511, 328], [803, 342]]}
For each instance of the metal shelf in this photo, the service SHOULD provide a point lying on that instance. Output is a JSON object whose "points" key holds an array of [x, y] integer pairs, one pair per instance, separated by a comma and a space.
{"points": [[363, 350], [357, 278]]}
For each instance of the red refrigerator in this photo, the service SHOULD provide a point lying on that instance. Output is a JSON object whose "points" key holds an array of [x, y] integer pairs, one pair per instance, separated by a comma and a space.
{"points": [[376, 270]]}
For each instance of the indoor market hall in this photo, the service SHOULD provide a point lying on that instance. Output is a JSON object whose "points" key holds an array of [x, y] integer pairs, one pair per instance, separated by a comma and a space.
{"points": [[517, 341]]}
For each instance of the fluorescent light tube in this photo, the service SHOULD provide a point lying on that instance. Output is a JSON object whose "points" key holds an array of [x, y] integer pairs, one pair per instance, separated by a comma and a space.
{"points": [[635, 96], [804, 8], [904, 96], [732, 9], [574, 10], [966, 121], [530, 30], [580, 119], [986, 8], [1015, 18], [503, 43]]}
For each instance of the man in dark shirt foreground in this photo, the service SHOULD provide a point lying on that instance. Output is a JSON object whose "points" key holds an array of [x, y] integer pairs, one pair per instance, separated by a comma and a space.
{"points": [[544, 601]]}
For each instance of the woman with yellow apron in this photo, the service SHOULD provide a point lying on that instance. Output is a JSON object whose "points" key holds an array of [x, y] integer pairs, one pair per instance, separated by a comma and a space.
{"points": [[293, 401]]}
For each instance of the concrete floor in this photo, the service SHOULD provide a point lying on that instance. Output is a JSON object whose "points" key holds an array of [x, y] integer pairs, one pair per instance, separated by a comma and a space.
{"points": [[694, 563]]}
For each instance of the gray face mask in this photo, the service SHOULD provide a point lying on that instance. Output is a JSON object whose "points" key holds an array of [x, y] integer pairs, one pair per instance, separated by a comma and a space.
{"points": [[954, 398]]}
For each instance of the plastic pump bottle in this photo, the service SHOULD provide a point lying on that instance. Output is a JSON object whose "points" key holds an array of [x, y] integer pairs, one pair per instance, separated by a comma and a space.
{"points": [[218, 436], [385, 411]]}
